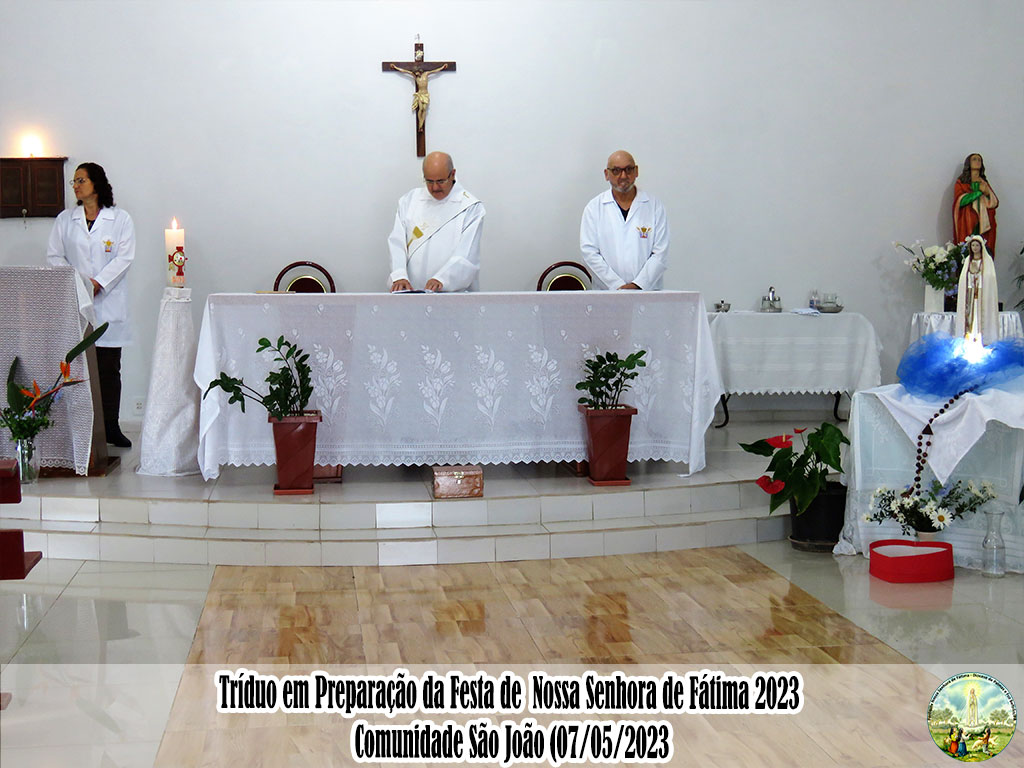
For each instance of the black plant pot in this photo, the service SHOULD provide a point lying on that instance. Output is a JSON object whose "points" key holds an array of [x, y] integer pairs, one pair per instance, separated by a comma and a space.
{"points": [[818, 528]]}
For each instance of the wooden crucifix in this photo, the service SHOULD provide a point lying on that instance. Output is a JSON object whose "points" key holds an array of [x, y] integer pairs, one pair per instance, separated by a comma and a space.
{"points": [[419, 70]]}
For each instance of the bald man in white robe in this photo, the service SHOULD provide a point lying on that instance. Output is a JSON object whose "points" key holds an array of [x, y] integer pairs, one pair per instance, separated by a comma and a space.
{"points": [[435, 243]]}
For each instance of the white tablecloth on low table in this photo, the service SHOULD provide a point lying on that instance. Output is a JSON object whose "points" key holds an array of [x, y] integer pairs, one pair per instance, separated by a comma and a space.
{"points": [[44, 313], [459, 378], [170, 427], [961, 426], [764, 353], [881, 453], [923, 323]]}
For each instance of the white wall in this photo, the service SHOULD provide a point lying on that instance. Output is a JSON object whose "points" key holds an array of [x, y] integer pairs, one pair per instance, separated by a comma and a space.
{"points": [[791, 142]]}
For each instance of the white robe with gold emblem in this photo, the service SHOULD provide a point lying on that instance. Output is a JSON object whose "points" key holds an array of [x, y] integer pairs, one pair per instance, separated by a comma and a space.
{"points": [[437, 239]]}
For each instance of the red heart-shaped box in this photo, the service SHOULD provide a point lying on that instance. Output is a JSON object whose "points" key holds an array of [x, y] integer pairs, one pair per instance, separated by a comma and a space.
{"points": [[890, 560]]}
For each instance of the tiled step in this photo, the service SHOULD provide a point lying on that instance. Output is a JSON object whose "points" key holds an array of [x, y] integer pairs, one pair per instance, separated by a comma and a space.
{"points": [[396, 532]]}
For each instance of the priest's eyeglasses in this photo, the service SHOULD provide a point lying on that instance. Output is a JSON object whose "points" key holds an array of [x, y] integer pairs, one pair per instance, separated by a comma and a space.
{"points": [[438, 181], [629, 170]]}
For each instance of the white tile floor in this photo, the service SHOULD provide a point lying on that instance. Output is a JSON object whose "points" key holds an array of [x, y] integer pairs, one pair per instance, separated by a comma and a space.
{"points": [[92, 651]]}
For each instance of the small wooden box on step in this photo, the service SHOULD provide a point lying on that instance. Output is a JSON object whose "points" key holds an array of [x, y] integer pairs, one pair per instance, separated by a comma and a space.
{"points": [[459, 482]]}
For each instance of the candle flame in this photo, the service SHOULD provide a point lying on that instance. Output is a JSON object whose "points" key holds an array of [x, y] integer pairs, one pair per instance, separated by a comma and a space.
{"points": [[174, 223]]}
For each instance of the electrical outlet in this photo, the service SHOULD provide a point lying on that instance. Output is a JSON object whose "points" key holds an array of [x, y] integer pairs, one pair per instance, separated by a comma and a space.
{"points": [[140, 406]]}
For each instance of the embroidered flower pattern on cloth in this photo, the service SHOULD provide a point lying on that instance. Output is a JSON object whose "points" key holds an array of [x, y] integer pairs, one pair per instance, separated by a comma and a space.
{"points": [[436, 384], [543, 385], [382, 387], [645, 388], [490, 384], [329, 381]]}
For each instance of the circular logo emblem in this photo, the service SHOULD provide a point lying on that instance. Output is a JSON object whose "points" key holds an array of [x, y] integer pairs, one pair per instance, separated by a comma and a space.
{"points": [[972, 717]]}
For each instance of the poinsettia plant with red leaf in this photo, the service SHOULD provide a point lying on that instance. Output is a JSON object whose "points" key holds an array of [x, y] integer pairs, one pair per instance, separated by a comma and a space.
{"points": [[799, 476]]}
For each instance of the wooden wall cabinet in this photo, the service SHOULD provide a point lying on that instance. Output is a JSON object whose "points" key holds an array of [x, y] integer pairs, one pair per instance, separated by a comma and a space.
{"points": [[31, 186]]}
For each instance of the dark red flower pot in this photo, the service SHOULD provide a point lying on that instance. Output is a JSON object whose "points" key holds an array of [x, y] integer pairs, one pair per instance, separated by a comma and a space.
{"points": [[608, 443], [295, 445]]}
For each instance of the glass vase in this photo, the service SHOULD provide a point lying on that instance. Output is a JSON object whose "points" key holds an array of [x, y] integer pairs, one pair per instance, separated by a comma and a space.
{"points": [[28, 459], [993, 551]]}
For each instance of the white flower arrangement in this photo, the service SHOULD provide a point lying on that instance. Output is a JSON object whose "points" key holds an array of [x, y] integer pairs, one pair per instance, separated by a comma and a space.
{"points": [[938, 265], [928, 510]]}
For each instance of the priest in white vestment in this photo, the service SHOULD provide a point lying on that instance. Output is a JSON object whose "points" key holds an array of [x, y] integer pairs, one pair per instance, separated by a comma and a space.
{"points": [[435, 244]]}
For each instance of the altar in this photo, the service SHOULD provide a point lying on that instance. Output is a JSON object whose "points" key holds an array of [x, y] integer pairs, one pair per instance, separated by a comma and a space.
{"points": [[473, 378]]}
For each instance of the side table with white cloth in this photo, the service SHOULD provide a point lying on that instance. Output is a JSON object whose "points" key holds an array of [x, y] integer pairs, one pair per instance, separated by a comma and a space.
{"points": [[46, 311], [980, 438], [170, 427], [475, 378], [766, 353], [923, 323]]}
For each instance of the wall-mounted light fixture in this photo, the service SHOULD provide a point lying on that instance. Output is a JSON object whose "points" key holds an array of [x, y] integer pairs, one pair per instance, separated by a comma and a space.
{"points": [[31, 145]]}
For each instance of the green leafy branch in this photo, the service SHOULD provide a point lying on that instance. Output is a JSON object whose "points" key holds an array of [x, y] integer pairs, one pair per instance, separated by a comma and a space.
{"points": [[608, 376], [289, 387]]}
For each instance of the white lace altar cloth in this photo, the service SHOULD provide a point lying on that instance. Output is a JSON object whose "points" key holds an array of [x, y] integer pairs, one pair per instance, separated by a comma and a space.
{"points": [[923, 323], [484, 378], [170, 428], [766, 353], [881, 454], [40, 321]]}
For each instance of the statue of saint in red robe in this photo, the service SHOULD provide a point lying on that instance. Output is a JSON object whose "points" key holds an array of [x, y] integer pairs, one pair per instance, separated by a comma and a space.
{"points": [[974, 204]]}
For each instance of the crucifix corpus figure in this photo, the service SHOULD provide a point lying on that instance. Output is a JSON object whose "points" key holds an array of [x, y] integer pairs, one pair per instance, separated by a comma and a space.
{"points": [[419, 70]]}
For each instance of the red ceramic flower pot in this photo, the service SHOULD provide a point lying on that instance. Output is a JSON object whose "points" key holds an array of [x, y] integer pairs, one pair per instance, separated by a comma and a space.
{"points": [[608, 443], [295, 445]]}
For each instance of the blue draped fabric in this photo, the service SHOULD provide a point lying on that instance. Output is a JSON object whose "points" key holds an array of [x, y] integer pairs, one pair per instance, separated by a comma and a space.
{"points": [[936, 365]]}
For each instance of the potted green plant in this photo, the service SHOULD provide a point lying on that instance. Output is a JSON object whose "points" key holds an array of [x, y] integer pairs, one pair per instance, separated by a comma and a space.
{"points": [[607, 421], [817, 505], [289, 389]]}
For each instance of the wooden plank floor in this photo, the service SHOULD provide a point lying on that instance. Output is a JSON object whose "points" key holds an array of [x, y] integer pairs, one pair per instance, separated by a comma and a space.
{"points": [[697, 605], [678, 610]]}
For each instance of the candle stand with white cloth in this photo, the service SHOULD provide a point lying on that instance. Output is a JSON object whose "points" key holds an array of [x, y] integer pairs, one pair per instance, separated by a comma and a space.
{"points": [[170, 427]]}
